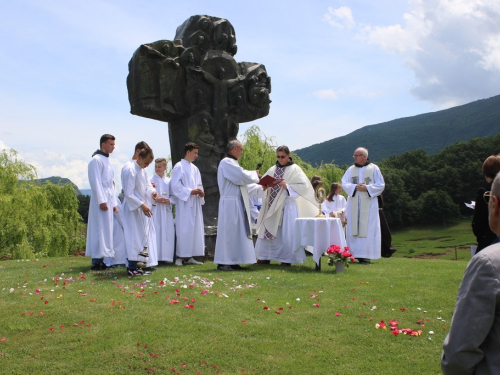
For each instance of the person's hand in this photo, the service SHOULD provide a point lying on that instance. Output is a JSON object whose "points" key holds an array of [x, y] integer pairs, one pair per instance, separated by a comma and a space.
{"points": [[115, 209], [199, 192], [103, 206], [361, 187], [332, 214], [146, 210], [154, 195], [282, 184], [153, 185]]}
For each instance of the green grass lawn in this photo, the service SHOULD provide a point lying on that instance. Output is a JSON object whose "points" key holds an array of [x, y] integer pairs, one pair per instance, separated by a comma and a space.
{"points": [[57, 317], [436, 241]]}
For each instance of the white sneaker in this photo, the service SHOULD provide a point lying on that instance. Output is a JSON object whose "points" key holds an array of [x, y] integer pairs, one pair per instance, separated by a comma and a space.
{"points": [[192, 261], [178, 262]]}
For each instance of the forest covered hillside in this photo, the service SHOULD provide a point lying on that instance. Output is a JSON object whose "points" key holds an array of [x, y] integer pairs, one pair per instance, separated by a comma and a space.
{"points": [[431, 132]]}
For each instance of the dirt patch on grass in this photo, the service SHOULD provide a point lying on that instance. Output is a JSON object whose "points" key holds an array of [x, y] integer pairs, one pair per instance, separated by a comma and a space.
{"points": [[430, 238], [449, 252]]}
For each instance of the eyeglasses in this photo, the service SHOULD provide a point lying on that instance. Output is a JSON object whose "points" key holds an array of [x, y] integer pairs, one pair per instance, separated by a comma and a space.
{"points": [[281, 156], [487, 196]]}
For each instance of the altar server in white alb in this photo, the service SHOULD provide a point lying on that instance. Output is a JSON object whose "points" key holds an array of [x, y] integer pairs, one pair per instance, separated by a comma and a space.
{"points": [[291, 198], [162, 213], [140, 235], [187, 188], [234, 244], [102, 205], [363, 182]]}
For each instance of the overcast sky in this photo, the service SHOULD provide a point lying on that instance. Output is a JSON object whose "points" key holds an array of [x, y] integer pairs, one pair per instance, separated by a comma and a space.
{"points": [[335, 66]]}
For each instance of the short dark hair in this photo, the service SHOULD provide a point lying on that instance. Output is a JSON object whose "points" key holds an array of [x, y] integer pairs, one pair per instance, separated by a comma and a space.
{"points": [[284, 149], [104, 139], [146, 153], [190, 146], [491, 166], [141, 145]]}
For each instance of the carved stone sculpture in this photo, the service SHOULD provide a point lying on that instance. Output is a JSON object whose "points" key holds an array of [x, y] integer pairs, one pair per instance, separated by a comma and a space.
{"points": [[195, 84]]}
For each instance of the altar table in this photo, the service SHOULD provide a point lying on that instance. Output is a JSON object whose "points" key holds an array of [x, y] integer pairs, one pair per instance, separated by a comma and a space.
{"points": [[320, 233]]}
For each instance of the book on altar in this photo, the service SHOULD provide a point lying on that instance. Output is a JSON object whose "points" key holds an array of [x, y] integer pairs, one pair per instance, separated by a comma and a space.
{"points": [[269, 181]]}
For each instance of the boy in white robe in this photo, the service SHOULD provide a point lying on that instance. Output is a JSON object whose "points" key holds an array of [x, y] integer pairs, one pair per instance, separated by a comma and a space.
{"points": [[187, 188], [234, 244], [140, 235], [162, 213], [363, 182], [102, 205]]}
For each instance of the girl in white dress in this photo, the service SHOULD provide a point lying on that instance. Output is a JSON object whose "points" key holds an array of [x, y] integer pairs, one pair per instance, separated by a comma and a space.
{"points": [[335, 204]]}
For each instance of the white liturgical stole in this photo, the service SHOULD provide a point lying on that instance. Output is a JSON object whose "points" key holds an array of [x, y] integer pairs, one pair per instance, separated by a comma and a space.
{"points": [[360, 205]]}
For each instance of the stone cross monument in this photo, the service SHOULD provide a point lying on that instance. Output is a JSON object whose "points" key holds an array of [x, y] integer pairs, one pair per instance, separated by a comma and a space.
{"points": [[195, 84]]}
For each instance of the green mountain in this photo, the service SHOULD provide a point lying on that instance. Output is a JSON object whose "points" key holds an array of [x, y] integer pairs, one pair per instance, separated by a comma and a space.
{"points": [[430, 131], [56, 180]]}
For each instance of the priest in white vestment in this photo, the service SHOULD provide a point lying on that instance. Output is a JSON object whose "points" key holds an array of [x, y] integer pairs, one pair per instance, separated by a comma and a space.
{"points": [[187, 188], [234, 244], [363, 182], [140, 235], [291, 198], [102, 205], [162, 213]]}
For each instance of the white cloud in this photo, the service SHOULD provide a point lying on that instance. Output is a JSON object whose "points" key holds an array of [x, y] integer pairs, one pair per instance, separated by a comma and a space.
{"points": [[341, 17], [373, 94], [451, 46], [327, 94], [490, 53], [330, 94]]}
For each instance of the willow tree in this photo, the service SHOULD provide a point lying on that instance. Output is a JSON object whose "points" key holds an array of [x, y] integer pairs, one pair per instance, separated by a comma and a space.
{"points": [[35, 220]]}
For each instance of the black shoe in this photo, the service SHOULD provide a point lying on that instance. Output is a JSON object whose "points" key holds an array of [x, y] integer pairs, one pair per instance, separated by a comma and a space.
{"points": [[364, 261], [224, 267], [95, 267], [99, 267], [150, 269], [283, 264], [263, 261], [237, 267]]}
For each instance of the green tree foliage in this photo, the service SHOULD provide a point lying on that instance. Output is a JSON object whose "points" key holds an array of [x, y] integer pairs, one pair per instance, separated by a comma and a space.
{"points": [[413, 179], [436, 206], [83, 207], [35, 220], [257, 149]]}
